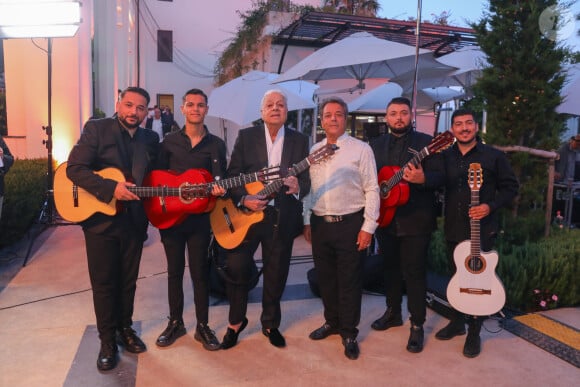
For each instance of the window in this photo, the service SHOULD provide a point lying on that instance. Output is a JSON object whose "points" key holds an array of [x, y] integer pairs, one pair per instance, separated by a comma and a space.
{"points": [[164, 46]]}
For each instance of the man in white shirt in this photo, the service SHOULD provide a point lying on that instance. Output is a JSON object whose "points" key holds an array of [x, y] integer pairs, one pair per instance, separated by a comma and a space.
{"points": [[155, 123], [340, 217]]}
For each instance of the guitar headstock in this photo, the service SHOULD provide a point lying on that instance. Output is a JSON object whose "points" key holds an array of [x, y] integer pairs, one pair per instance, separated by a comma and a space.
{"points": [[322, 153], [266, 175], [475, 176], [441, 142]]}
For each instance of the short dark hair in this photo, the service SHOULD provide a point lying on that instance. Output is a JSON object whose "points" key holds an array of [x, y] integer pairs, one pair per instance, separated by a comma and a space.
{"points": [[462, 112], [337, 100], [400, 101], [135, 89], [194, 92]]}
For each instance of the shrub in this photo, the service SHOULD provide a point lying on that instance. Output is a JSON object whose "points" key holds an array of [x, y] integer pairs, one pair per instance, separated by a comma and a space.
{"points": [[24, 194]]}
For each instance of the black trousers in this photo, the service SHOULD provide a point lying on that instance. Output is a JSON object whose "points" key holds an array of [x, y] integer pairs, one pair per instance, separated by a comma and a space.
{"points": [[339, 265], [405, 259], [193, 233], [113, 260], [276, 254]]}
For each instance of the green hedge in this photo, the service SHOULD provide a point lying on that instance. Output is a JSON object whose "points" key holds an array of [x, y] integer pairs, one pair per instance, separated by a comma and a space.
{"points": [[531, 271], [24, 194]]}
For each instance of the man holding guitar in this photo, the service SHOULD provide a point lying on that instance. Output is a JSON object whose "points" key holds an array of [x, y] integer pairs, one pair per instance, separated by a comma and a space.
{"points": [[499, 187], [189, 148], [404, 241], [264, 145], [114, 243]]}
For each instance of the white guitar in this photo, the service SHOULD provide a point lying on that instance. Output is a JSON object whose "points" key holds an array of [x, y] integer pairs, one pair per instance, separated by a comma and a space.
{"points": [[475, 289]]}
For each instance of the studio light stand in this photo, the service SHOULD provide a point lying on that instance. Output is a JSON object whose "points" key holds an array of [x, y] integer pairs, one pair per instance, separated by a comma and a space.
{"points": [[48, 214]]}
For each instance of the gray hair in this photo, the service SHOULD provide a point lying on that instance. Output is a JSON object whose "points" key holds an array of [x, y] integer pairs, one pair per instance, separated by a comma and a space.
{"points": [[274, 91]]}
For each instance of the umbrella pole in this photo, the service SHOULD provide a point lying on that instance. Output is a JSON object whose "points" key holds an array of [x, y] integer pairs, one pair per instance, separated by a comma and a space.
{"points": [[418, 35]]}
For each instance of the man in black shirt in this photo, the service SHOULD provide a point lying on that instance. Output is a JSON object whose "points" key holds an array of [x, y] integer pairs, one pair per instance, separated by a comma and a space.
{"points": [[499, 188], [191, 147]]}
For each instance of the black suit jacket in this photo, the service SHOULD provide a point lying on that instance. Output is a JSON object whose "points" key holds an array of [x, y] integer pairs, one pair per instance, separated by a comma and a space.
{"points": [[101, 146], [418, 215], [250, 155]]}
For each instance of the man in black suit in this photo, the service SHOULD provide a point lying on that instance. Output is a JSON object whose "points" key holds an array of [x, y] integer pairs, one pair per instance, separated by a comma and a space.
{"points": [[255, 148], [114, 243], [6, 161], [404, 242]]}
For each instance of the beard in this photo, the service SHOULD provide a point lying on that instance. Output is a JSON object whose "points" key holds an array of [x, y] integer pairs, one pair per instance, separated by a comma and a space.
{"points": [[401, 131], [129, 125]]}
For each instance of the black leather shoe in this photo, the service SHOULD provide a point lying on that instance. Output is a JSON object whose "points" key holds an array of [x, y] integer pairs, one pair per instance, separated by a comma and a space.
{"points": [[454, 328], [231, 337], [472, 346], [391, 318], [175, 329], [129, 339], [351, 349], [275, 337], [107, 359], [206, 337], [415, 343], [323, 332]]}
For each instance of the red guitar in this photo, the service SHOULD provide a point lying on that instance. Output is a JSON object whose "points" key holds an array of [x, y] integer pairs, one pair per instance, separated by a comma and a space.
{"points": [[165, 211], [393, 190], [475, 289]]}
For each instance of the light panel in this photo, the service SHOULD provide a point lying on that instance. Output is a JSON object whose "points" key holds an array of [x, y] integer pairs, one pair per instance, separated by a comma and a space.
{"points": [[39, 19]]}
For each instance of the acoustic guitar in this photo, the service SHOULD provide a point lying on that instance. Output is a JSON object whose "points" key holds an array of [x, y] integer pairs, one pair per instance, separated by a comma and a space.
{"points": [[393, 190], [231, 224], [475, 289], [167, 196]]}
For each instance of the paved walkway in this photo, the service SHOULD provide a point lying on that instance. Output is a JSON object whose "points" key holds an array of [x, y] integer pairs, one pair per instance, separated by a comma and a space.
{"points": [[48, 337]]}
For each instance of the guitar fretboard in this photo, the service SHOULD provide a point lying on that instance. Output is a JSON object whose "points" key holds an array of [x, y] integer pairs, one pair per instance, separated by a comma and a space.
{"points": [[148, 192], [475, 227], [398, 176], [275, 186]]}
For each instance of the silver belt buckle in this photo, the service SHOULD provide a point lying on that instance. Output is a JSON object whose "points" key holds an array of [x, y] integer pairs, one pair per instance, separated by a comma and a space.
{"points": [[332, 218]]}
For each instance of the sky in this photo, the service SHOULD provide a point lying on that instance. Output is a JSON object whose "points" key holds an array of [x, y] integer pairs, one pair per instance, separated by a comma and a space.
{"points": [[462, 12]]}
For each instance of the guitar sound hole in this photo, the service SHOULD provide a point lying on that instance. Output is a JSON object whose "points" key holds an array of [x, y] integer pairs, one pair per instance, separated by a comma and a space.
{"points": [[384, 190], [475, 264]]}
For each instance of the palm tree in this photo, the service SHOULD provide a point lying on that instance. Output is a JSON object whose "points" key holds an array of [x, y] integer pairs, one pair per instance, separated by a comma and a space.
{"points": [[353, 7]]}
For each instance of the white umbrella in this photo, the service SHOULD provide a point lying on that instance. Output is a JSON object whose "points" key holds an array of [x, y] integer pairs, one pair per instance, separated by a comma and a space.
{"points": [[239, 99], [469, 61], [376, 100], [571, 92], [361, 56]]}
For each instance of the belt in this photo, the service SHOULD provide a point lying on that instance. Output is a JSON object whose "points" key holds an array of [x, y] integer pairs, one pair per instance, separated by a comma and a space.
{"points": [[338, 218]]}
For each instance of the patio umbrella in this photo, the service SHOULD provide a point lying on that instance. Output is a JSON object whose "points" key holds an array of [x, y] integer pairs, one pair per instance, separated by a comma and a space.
{"points": [[361, 56], [469, 62], [239, 99], [571, 92]]}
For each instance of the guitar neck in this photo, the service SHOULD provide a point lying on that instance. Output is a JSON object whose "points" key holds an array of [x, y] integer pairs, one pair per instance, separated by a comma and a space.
{"points": [[475, 227], [398, 176], [275, 186], [235, 181], [148, 192]]}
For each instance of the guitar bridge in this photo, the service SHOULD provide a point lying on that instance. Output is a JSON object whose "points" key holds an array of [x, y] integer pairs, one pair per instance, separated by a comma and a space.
{"points": [[228, 220], [475, 291]]}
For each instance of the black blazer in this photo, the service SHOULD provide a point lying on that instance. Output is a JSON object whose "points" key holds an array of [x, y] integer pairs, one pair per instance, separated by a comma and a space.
{"points": [[418, 215], [101, 146], [250, 155]]}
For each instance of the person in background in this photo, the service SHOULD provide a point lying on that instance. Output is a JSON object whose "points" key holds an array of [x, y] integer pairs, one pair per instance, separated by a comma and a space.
{"points": [[6, 161], [191, 147], [114, 243], [155, 123], [404, 242], [340, 217], [257, 147], [498, 190], [568, 166]]}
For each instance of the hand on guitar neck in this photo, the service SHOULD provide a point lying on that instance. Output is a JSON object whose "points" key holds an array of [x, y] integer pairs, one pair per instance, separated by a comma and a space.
{"points": [[258, 202]]}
